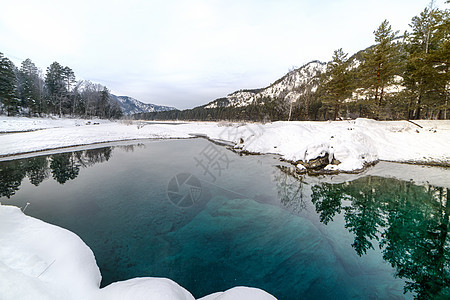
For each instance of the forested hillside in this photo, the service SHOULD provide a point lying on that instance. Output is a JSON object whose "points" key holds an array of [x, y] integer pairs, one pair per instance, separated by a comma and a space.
{"points": [[27, 91], [400, 76]]}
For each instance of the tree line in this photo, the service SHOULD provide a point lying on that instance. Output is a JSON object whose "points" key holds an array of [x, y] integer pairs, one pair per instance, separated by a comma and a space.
{"points": [[265, 109], [27, 91], [399, 77], [416, 64]]}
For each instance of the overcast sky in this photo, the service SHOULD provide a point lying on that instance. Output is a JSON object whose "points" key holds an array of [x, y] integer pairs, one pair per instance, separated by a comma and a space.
{"points": [[187, 53]]}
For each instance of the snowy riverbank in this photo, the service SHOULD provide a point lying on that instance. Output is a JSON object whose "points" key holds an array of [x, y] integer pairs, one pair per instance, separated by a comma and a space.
{"points": [[348, 145]]}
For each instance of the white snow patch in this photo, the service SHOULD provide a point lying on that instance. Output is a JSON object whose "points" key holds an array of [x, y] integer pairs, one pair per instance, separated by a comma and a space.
{"points": [[240, 293], [144, 288], [43, 261]]}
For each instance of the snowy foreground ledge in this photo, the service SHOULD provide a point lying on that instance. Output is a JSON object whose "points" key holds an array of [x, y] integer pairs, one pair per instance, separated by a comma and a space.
{"points": [[342, 146], [43, 261]]}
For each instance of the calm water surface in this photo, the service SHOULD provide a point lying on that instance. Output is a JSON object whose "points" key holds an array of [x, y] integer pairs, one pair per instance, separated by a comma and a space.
{"points": [[209, 219]]}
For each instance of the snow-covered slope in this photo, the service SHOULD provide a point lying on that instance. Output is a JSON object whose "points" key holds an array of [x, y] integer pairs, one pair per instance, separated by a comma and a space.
{"points": [[289, 87], [132, 106]]}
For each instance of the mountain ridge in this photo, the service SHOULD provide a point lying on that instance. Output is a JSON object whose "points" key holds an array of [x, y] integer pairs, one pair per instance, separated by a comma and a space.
{"points": [[288, 87], [131, 106]]}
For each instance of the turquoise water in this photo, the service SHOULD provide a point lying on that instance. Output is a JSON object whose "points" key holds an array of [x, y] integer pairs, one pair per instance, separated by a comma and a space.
{"points": [[210, 219]]}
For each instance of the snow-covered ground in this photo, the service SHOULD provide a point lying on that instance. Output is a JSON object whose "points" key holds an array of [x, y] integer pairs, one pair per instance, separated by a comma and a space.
{"points": [[17, 124], [354, 143]]}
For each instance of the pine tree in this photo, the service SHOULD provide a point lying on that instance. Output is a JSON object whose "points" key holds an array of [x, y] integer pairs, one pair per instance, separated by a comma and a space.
{"points": [[56, 86], [337, 82], [426, 75], [381, 63], [441, 60], [104, 103], [68, 99], [30, 86], [8, 86]]}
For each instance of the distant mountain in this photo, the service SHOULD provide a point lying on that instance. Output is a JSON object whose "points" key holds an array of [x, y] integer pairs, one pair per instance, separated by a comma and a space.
{"points": [[289, 87], [295, 84], [131, 106], [298, 86]]}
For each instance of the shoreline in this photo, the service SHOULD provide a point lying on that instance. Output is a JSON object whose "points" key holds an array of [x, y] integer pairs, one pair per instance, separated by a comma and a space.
{"points": [[80, 147], [112, 143], [311, 147]]}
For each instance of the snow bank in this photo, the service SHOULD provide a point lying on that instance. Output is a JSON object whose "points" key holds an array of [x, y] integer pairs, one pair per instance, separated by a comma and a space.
{"points": [[43, 261], [352, 144], [240, 293], [144, 288]]}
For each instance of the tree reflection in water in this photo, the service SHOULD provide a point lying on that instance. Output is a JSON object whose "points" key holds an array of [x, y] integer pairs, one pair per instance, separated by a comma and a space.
{"points": [[62, 166], [11, 175], [290, 188], [410, 223]]}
